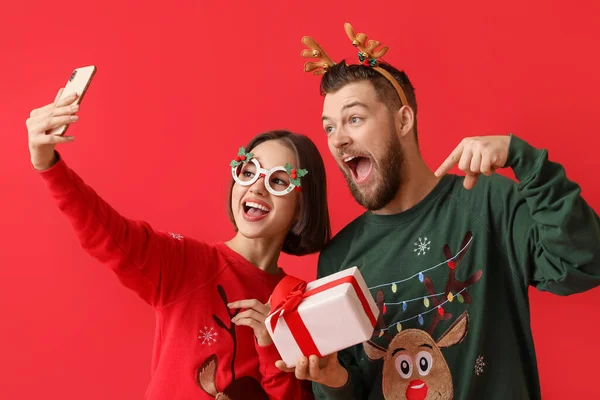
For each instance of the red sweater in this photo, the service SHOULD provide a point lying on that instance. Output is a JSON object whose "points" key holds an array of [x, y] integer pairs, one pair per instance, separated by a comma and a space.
{"points": [[198, 352]]}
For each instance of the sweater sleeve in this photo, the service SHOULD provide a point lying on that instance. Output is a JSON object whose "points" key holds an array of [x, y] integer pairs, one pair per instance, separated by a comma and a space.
{"points": [[353, 389], [553, 234], [150, 263], [277, 384]]}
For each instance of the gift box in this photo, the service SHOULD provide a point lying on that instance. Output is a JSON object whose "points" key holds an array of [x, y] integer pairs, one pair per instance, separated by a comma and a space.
{"points": [[321, 317]]}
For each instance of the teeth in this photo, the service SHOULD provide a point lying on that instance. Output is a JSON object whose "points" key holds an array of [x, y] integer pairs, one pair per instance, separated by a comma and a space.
{"points": [[347, 159], [256, 205]]}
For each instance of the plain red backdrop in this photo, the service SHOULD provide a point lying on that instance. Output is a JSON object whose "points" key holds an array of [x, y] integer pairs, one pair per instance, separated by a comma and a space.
{"points": [[182, 84]]}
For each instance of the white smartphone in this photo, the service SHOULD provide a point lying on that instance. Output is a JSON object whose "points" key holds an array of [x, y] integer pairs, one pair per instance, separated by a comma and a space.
{"points": [[78, 83]]}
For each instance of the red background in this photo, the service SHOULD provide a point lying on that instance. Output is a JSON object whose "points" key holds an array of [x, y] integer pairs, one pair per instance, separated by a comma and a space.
{"points": [[180, 86]]}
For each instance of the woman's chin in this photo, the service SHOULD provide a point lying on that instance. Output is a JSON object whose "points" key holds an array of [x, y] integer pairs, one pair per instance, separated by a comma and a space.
{"points": [[252, 230]]}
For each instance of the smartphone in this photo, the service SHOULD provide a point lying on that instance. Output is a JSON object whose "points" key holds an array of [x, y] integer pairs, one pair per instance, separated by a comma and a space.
{"points": [[78, 83]]}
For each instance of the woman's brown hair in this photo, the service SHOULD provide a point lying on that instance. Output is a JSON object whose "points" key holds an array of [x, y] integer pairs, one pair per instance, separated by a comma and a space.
{"points": [[312, 231]]}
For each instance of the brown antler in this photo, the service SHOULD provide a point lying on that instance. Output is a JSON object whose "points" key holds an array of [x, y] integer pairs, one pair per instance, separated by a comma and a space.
{"points": [[315, 51], [436, 317], [453, 285], [380, 326], [370, 56], [231, 328], [360, 41]]}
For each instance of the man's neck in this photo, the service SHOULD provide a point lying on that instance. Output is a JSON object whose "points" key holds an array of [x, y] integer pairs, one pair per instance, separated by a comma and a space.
{"points": [[417, 182]]}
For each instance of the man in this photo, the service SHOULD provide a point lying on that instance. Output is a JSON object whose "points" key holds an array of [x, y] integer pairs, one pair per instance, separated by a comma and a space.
{"points": [[448, 259]]}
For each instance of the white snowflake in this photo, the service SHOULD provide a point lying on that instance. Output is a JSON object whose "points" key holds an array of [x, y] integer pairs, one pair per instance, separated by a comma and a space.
{"points": [[208, 336], [176, 236], [422, 246], [479, 364]]}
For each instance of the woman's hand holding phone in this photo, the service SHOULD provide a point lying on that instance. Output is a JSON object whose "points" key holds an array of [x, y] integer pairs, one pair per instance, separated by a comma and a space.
{"points": [[43, 120]]}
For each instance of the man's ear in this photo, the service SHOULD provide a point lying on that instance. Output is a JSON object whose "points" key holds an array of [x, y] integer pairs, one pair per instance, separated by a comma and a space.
{"points": [[405, 120]]}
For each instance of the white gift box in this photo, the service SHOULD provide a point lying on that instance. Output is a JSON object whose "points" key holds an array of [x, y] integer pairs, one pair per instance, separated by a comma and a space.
{"points": [[336, 318]]}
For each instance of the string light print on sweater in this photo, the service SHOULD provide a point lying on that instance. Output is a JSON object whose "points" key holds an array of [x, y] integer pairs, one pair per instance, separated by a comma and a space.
{"points": [[414, 367], [433, 301]]}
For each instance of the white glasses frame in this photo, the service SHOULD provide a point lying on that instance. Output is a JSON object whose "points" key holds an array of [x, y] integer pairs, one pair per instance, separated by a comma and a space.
{"points": [[261, 172]]}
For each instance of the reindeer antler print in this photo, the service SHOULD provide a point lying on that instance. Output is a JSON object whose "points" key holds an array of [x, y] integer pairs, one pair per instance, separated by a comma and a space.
{"points": [[230, 329], [315, 51], [380, 326], [436, 317], [454, 287]]}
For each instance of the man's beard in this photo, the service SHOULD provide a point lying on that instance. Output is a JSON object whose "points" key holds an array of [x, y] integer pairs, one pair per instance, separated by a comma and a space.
{"points": [[390, 174]]}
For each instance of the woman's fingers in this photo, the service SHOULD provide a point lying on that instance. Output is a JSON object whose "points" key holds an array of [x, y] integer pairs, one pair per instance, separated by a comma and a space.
{"points": [[67, 100], [53, 139], [42, 125], [58, 94]]}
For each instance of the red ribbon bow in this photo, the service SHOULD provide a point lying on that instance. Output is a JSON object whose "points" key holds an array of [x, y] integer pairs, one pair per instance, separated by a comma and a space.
{"points": [[288, 295]]}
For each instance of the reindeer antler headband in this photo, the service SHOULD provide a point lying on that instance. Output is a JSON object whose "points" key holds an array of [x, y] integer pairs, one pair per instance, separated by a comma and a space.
{"points": [[368, 55]]}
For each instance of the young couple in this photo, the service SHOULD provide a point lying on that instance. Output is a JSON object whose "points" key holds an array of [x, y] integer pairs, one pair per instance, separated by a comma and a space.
{"points": [[448, 259]]}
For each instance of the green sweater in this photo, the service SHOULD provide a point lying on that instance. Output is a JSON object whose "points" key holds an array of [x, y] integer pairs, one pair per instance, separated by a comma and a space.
{"points": [[451, 277]]}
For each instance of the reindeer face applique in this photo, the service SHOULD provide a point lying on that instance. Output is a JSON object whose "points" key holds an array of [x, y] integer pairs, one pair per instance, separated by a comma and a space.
{"points": [[240, 388], [244, 387], [413, 365]]}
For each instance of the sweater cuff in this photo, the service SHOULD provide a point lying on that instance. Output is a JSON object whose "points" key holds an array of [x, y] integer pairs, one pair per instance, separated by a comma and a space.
{"points": [[342, 393], [523, 158], [267, 356], [57, 177]]}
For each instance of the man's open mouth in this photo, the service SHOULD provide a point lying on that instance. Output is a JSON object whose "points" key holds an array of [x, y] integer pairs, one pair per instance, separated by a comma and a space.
{"points": [[360, 166]]}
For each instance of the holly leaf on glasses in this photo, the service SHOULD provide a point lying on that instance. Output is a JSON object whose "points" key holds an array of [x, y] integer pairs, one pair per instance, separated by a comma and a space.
{"points": [[288, 168], [301, 172], [242, 157], [295, 174]]}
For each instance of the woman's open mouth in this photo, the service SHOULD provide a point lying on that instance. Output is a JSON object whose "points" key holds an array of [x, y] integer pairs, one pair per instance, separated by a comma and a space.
{"points": [[254, 211]]}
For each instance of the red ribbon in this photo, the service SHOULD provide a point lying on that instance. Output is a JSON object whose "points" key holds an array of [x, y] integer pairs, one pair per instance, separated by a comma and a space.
{"points": [[288, 295]]}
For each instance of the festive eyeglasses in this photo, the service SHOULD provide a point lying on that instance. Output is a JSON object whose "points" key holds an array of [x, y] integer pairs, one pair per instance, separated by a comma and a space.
{"points": [[279, 181]]}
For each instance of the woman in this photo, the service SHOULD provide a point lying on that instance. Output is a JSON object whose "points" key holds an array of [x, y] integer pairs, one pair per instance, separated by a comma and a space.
{"points": [[211, 341]]}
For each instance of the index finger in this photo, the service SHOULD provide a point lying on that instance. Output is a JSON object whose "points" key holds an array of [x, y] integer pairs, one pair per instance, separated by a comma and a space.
{"points": [[58, 94], [314, 368], [44, 109], [249, 303], [450, 162], [66, 100]]}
